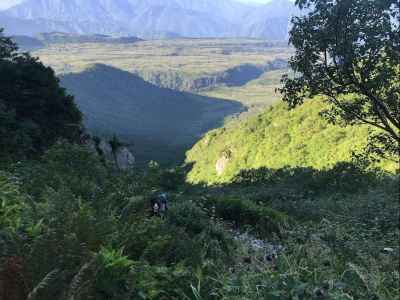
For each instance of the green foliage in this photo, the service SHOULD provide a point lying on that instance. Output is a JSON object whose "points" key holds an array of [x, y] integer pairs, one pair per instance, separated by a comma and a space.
{"points": [[245, 213], [275, 139], [344, 177], [34, 110], [72, 228], [79, 230], [164, 179], [188, 216], [11, 202], [341, 221], [112, 274], [313, 271], [64, 165], [68, 240], [348, 52]]}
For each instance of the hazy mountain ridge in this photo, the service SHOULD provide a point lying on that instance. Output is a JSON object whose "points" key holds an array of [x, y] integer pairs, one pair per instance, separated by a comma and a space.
{"points": [[190, 18]]}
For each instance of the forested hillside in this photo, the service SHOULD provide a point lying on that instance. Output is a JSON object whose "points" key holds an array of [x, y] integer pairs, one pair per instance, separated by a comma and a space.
{"points": [[275, 139]]}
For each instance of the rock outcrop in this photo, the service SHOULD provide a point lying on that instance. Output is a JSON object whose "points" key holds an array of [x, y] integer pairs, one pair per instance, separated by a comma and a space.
{"points": [[122, 157], [221, 164]]}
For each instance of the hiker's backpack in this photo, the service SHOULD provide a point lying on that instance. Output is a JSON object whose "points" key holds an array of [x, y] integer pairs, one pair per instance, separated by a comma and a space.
{"points": [[163, 200]]}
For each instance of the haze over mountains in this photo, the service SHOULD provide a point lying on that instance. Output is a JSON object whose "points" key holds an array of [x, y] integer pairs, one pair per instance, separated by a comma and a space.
{"points": [[151, 18]]}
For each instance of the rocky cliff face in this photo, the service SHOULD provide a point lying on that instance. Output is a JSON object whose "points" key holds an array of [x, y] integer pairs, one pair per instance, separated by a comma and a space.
{"points": [[223, 161], [221, 164], [236, 76], [122, 158]]}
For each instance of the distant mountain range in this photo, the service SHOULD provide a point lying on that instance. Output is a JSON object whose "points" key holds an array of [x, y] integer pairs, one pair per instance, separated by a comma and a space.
{"points": [[28, 43], [151, 18]]}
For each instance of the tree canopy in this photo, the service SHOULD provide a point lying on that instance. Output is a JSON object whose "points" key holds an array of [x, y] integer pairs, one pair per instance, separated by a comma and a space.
{"points": [[349, 51], [34, 110]]}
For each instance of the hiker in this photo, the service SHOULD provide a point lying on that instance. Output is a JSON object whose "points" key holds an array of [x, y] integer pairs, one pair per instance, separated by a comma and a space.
{"points": [[159, 204], [156, 209], [155, 205]]}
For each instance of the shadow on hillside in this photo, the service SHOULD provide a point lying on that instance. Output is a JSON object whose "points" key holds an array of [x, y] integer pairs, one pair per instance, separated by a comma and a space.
{"points": [[241, 75], [343, 177], [307, 193], [118, 102]]}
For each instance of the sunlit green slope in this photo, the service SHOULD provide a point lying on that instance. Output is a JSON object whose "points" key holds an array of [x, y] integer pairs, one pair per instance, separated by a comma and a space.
{"points": [[274, 139]]}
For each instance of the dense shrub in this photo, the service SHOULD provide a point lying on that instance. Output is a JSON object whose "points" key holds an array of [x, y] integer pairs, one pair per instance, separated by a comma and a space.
{"points": [[344, 177], [245, 213], [34, 110], [71, 227]]}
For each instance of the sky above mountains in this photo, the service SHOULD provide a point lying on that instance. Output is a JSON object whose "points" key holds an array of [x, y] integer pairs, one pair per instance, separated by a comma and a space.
{"points": [[5, 4]]}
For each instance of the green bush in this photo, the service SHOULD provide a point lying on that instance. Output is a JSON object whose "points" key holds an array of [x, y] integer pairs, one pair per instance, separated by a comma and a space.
{"points": [[80, 229], [112, 278], [11, 202], [245, 213], [188, 216], [342, 177], [34, 110]]}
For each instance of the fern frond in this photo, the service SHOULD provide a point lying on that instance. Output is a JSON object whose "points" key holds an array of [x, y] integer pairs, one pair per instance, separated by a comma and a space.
{"points": [[362, 274], [77, 282], [43, 284]]}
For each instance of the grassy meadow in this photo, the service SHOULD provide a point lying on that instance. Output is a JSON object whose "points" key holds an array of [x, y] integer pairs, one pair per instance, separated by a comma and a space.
{"points": [[255, 95], [190, 57]]}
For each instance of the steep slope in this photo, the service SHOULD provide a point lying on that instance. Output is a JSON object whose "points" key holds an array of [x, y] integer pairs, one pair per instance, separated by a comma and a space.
{"points": [[73, 16], [72, 10], [274, 139], [178, 20], [117, 102], [152, 18], [270, 21]]}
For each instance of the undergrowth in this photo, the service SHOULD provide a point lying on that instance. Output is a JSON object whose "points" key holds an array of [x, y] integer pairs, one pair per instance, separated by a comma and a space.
{"points": [[73, 228]]}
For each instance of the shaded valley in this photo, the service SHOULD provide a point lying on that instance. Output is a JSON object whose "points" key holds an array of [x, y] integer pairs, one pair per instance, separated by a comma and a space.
{"points": [[158, 95], [118, 102]]}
